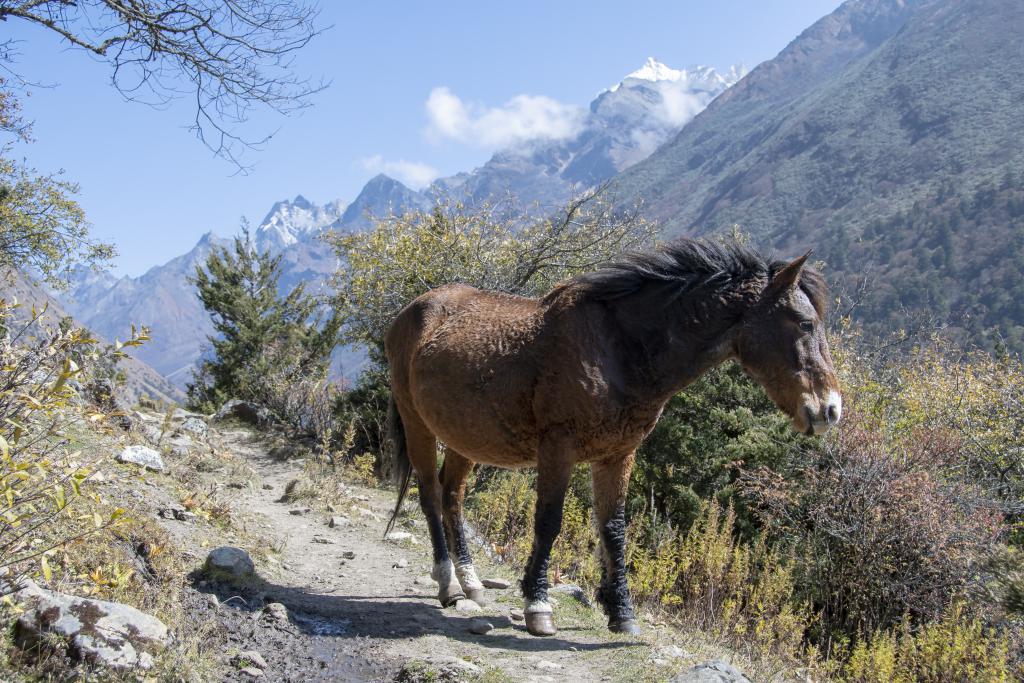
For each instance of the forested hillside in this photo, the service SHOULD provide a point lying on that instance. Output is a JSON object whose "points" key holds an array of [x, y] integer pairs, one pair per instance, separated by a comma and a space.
{"points": [[861, 139]]}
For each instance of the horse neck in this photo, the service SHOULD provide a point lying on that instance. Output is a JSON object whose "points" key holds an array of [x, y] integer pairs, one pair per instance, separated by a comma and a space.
{"points": [[669, 346]]}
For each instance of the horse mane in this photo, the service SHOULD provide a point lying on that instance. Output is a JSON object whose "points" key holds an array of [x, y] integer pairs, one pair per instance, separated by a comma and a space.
{"points": [[687, 264]]}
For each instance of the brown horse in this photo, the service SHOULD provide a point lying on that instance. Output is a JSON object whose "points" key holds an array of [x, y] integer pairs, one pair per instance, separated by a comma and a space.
{"points": [[582, 375]]}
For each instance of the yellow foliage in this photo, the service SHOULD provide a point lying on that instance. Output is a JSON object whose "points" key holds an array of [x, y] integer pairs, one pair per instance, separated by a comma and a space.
{"points": [[954, 648]]}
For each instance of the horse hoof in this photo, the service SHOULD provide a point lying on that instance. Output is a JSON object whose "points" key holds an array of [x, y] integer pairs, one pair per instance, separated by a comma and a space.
{"points": [[540, 624], [448, 599], [627, 626], [477, 595]]}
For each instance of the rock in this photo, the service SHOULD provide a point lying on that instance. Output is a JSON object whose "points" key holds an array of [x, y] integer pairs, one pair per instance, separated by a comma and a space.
{"points": [[193, 426], [545, 665], [500, 584], [573, 591], [249, 658], [230, 560], [276, 611], [143, 456], [244, 411], [321, 539], [212, 601], [438, 668], [711, 672], [338, 521], [349, 555], [517, 615], [467, 606], [480, 627], [398, 536], [98, 632], [268, 487], [179, 514], [300, 511], [251, 672], [402, 563], [151, 433], [670, 652]]}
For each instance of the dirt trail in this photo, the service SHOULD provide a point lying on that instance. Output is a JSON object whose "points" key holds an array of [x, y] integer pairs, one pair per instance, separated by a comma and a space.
{"points": [[361, 609]]}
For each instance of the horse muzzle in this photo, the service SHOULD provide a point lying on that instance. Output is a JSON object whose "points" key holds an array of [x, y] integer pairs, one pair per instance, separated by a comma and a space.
{"points": [[817, 415]]}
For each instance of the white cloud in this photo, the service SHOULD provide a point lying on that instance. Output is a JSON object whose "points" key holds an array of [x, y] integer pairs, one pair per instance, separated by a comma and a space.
{"points": [[413, 173], [522, 118]]}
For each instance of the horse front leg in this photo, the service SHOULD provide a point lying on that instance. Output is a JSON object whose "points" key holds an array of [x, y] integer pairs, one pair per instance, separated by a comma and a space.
{"points": [[454, 471], [554, 468], [610, 480]]}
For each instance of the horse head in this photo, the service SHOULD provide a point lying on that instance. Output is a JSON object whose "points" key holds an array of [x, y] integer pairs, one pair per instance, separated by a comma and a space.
{"points": [[782, 345]]}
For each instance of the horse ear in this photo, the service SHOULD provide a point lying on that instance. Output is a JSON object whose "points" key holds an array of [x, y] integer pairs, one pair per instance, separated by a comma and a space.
{"points": [[789, 274]]}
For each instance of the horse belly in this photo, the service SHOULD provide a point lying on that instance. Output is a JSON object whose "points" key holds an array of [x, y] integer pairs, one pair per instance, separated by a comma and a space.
{"points": [[484, 412]]}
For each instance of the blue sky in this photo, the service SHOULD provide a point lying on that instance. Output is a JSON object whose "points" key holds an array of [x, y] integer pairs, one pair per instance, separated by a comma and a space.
{"points": [[150, 188]]}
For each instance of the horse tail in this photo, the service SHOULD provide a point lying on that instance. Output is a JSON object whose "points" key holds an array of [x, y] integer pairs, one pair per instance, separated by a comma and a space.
{"points": [[401, 472]]}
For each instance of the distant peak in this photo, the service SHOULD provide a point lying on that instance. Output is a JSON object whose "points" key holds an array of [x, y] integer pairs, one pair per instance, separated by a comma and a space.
{"points": [[301, 202], [653, 70]]}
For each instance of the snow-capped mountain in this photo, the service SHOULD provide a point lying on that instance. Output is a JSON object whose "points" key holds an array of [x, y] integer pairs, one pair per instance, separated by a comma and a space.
{"points": [[292, 221], [624, 124]]}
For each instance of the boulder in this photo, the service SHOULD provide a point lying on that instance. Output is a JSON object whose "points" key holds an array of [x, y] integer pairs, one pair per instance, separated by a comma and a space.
{"points": [[711, 672], [232, 561], [193, 426], [245, 411], [98, 632], [143, 456]]}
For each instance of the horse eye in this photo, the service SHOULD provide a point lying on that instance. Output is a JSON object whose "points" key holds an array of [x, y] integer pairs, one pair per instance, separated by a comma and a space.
{"points": [[806, 326]]}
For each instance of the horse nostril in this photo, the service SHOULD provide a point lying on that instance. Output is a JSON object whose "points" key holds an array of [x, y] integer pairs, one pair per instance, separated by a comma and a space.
{"points": [[832, 414]]}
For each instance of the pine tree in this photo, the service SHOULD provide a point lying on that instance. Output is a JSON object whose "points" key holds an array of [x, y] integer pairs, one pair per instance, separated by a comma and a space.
{"points": [[256, 327]]}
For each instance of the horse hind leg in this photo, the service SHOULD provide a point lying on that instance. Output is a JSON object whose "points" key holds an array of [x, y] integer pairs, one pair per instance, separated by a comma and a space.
{"points": [[610, 479], [454, 471], [422, 447]]}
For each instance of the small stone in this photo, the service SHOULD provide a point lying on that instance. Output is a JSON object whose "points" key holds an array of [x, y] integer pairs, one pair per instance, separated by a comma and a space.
{"points": [[249, 658], [300, 511], [398, 536], [671, 652], [143, 456], [338, 521], [194, 425], [401, 563], [184, 515], [252, 672], [268, 487], [480, 626], [212, 601], [500, 584], [349, 555], [574, 591], [231, 560], [517, 615], [545, 665], [321, 539], [276, 611], [467, 606]]}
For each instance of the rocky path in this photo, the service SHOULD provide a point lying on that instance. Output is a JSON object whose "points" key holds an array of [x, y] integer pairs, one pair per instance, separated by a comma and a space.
{"points": [[358, 608]]}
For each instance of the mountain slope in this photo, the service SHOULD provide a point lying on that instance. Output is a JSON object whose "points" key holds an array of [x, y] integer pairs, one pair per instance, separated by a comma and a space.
{"points": [[162, 299], [141, 378], [880, 107]]}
